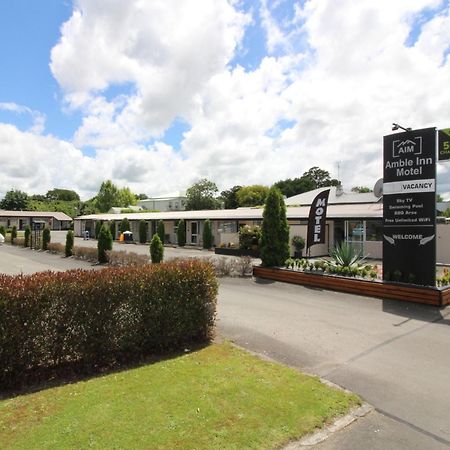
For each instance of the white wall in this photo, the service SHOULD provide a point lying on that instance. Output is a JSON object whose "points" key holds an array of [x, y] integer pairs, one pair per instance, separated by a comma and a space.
{"points": [[443, 244]]}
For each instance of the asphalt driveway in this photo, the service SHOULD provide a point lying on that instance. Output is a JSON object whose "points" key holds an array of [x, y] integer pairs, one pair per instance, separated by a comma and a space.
{"points": [[395, 355]]}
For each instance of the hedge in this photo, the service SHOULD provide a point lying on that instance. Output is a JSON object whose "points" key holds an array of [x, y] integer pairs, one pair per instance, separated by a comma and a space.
{"points": [[85, 320]]}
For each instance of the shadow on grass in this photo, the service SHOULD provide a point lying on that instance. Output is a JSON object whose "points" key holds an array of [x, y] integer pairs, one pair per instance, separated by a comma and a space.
{"points": [[73, 373]]}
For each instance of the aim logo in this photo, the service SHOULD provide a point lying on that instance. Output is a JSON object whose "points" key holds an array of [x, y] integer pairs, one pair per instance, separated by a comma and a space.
{"points": [[408, 147]]}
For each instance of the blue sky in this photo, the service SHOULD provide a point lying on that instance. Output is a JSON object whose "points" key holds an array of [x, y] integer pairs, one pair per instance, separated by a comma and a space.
{"points": [[241, 92], [28, 31]]}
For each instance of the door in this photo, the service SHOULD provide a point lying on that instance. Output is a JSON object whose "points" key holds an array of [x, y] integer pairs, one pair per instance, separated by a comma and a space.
{"points": [[194, 232]]}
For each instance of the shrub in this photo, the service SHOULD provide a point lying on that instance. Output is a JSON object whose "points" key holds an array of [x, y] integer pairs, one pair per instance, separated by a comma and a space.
{"points": [[143, 231], [98, 227], [207, 235], [123, 258], [156, 249], [20, 242], [2, 231], [56, 247], [27, 235], [249, 236], [86, 253], [274, 231], [161, 231], [124, 225], [104, 244], [299, 243], [181, 233], [13, 234], [233, 267], [69, 244], [84, 321], [344, 254], [46, 237]]}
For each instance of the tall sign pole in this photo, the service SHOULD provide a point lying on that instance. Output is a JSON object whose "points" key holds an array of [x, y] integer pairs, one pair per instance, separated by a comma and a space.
{"points": [[409, 207]]}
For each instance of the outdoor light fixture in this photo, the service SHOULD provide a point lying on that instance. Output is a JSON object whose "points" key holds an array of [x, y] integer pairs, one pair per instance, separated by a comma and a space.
{"points": [[396, 126]]}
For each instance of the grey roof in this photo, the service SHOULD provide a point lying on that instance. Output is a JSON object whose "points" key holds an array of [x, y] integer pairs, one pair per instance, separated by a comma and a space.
{"points": [[55, 214], [357, 210], [336, 197]]}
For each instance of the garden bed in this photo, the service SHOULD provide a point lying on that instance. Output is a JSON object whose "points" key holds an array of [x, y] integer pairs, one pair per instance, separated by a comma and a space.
{"points": [[236, 252], [437, 296]]}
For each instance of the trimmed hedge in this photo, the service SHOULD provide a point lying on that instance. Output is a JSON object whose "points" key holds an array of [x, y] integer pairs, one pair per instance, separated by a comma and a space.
{"points": [[83, 321]]}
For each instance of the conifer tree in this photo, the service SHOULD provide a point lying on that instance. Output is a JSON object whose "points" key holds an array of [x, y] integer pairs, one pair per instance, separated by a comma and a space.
{"points": [[207, 234], [143, 231], [161, 231], [274, 230], [104, 244], [181, 233], [156, 249]]}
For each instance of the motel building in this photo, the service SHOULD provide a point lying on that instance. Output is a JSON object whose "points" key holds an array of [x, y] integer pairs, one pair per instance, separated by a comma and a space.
{"points": [[355, 218], [20, 219]]}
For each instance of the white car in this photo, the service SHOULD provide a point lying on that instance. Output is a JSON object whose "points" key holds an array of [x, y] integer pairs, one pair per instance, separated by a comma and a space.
{"points": [[2, 238]]}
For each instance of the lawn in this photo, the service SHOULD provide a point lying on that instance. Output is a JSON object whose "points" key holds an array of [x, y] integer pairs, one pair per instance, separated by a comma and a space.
{"points": [[219, 397]]}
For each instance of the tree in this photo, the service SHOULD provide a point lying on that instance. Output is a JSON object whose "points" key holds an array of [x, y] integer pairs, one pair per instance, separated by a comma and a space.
{"points": [[108, 196], [161, 231], [14, 200], [65, 195], [27, 235], [254, 195], [207, 235], [439, 198], [125, 198], [141, 196], [124, 225], [229, 198], [320, 177], [361, 189], [98, 227], [274, 230], [69, 243], [89, 207], [46, 238], [181, 233], [291, 187], [156, 249], [112, 229], [104, 244], [143, 225], [202, 195]]}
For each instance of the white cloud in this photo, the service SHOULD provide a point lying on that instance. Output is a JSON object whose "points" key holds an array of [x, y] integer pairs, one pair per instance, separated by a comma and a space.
{"points": [[38, 119], [167, 49], [329, 103]]}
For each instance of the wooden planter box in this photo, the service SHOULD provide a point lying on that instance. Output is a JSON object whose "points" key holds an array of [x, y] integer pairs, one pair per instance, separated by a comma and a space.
{"points": [[236, 252], [381, 289]]}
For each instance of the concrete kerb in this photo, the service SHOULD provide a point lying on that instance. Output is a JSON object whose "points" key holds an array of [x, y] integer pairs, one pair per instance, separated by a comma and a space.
{"points": [[337, 425], [321, 434]]}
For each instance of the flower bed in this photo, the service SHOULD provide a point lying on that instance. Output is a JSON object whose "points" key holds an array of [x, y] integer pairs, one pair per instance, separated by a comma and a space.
{"points": [[437, 296], [236, 252]]}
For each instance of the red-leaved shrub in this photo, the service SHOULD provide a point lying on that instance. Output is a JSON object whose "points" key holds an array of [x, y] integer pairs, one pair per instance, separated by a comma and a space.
{"points": [[86, 319]]}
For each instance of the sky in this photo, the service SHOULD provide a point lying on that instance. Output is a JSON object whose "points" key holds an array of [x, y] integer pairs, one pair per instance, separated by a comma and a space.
{"points": [[158, 94]]}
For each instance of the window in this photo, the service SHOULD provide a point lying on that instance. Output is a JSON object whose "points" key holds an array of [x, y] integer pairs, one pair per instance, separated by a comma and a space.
{"points": [[374, 230], [227, 227]]}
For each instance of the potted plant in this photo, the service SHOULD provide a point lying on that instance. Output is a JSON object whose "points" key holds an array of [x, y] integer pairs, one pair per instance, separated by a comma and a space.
{"points": [[299, 244]]}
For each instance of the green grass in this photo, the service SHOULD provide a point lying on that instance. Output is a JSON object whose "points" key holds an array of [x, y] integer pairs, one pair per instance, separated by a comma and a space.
{"points": [[217, 398]]}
